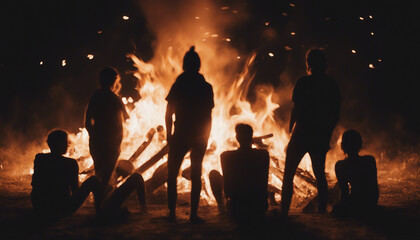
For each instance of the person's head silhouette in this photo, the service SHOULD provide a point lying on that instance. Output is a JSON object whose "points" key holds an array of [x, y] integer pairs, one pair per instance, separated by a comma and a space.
{"points": [[58, 142], [109, 78], [244, 134], [351, 142], [315, 62], [191, 61]]}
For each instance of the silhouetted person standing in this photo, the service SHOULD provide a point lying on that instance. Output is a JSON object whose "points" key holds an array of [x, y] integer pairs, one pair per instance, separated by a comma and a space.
{"points": [[55, 182], [245, 179], [191, 101], [358, 172], [314, 116], [104, 119]]}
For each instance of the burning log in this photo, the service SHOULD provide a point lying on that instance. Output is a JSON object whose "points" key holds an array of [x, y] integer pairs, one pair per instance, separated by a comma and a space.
{"points": [[153, 160], [303, 174], [126, 166]]}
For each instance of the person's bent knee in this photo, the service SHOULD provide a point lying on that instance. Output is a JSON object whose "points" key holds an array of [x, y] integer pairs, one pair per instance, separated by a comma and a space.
{"points": [[214, 174], [136, 177]]}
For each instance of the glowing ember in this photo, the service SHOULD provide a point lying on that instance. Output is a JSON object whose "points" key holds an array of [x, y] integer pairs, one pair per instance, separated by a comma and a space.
{"points": [[63, 62], [41, 63], [99, 32], [293, 33], [353, 51], [379, 60], [370, 16], [292, 5], [372, 33], [228, 39], [361, 18], [271, 54], [197, 18], [126, 18], [371, 66], [90, 56], [267, 23]]}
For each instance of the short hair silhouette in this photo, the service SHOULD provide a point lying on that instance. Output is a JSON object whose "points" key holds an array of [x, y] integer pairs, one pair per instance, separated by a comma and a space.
{"points": [[191, 61], [351, 141], [57, 140], [244, 134], [107, 77], [315, 60]]}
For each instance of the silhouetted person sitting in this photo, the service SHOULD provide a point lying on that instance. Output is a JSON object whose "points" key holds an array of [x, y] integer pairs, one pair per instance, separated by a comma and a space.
{"points": [[55, 182], [190, 99], [314, 116], [104, 119], [245, 179], [357, 178]]}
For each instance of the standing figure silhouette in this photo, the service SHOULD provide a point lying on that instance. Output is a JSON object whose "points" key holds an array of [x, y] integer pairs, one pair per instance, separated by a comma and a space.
{"points": [[315, 113], [190, 99], [104, 119]]}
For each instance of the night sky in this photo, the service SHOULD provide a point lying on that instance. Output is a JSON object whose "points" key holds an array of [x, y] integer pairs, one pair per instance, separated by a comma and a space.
{"points": [[381, 101]]}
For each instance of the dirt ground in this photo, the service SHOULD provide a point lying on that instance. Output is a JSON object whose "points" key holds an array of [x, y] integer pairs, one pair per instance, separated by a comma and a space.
{"points": [[398, 218]]}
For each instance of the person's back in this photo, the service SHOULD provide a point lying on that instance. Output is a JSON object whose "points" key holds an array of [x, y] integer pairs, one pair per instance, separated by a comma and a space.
{"points": [[107, 113], [317, 97], [53, 178], [245, 174], [360, 173], [193, 101]]}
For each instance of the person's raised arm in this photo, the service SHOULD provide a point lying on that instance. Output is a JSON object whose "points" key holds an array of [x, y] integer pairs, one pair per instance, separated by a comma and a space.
{"points": [[170, 110]]}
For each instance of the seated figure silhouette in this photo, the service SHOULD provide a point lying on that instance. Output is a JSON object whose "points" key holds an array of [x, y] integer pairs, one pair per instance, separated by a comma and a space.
{"points": [[190, 99], [55, 185], [104, 119], [55, 182], [357, 178], [244, 181]]}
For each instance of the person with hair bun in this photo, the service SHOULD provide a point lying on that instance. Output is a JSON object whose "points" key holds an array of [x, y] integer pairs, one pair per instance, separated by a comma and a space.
{"points": [[190, 99], [357, 178]]}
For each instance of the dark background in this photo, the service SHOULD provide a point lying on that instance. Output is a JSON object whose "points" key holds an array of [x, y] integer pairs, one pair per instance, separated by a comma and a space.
{"points": [[381, 102]]}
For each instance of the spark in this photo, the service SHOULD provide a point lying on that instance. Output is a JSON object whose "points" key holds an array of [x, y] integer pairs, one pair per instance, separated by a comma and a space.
{"points": [[63, 62], [287, 48], [292, 33], [41, 63], [267, 23], [238, 57], [370, 16], [125, 18], [379, 60], [361, 18], [228, 39], [284, 14], [90, 56], [372, 33], [99, 32], [235, 11], [292, 5], [271, 54], [214, 35], [353, 51], [203, 39], [198, 18], [225, 8], [371, 66]]}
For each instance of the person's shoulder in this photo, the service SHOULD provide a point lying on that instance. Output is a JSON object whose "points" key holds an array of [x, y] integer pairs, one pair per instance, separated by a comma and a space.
{"points": [[261, 152], [71, 162], [341, 163], [40, 157], [368, 158]]}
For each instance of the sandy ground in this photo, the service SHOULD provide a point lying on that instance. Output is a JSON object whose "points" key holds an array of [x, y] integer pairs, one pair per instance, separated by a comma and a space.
{"points": [[398, 219]]}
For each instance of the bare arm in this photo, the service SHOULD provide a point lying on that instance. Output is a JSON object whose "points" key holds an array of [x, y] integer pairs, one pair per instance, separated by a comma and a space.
{"points": [[74, 185], [170, 110], [293, 118], [342, 182]]}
